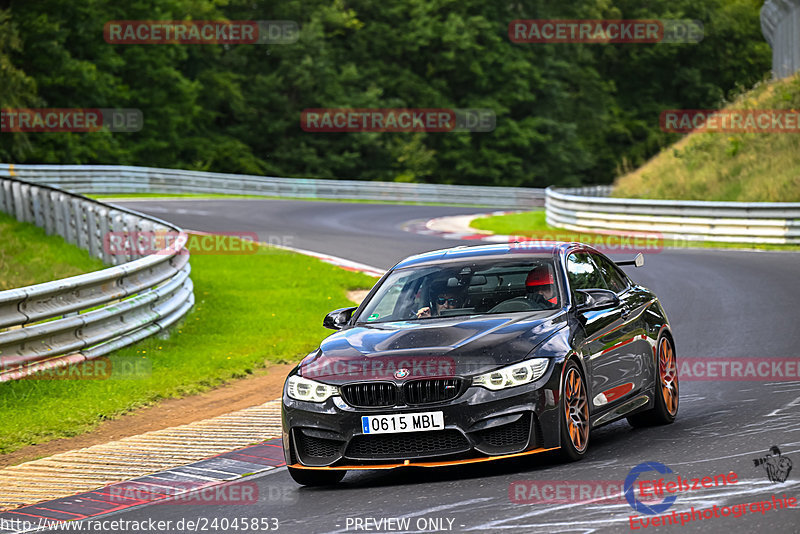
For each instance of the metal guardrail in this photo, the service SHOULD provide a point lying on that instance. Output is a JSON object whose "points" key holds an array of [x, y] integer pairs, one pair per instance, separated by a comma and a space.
{"points": [[590, 209], [120, 179], [780, 24], [80, 318]]}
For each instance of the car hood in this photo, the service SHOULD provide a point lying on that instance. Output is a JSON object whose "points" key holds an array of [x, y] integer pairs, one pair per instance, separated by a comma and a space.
{"points": [[460, 346]]}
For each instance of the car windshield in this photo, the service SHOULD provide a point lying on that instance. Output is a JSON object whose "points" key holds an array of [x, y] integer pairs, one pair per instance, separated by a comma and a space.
{"points": [[465, 288]]}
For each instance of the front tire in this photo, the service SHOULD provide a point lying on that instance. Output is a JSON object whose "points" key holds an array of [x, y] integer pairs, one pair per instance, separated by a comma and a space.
{"points": [[574, 414], [314, 477], [666, 394]]}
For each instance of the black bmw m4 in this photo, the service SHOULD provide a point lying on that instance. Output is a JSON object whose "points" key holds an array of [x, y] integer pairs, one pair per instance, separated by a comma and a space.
{"points": [[480, 353]]}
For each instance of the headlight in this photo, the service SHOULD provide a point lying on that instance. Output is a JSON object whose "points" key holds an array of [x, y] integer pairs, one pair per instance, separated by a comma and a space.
{"points": [[303, 389], [513, 375]]}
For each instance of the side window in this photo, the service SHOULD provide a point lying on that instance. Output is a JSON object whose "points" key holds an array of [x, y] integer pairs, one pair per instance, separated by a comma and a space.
{"points": [[615, 281], [582, 272]]}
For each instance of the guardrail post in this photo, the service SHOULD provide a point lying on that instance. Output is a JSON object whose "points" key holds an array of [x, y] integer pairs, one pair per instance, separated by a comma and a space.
{"points": [[129, 222], [58, 213], [94, 234], [81, 223], [144, 229], [104, 222], [69, 221], [18, 204], [118, 227], [37, 196], [6, 198], [48, 212]]}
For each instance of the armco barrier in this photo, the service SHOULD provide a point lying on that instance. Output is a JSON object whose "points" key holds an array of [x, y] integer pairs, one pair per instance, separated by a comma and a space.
{"points": [[120, 179], [80, 318], [590, 209]]}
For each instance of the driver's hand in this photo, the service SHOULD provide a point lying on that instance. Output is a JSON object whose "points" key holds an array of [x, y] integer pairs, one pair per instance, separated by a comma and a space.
{"points": [[422, 313]]}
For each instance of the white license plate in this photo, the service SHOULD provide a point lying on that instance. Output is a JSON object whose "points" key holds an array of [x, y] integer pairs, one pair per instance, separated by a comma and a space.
{"points": [[402, 422]]}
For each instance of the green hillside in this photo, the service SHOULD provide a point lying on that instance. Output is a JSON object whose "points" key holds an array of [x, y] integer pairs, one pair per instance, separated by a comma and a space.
{"points": [[748, 167]]}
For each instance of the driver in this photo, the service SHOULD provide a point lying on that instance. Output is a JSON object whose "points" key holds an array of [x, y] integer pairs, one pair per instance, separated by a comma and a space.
{"points": [[446, 299], [541, 286]]}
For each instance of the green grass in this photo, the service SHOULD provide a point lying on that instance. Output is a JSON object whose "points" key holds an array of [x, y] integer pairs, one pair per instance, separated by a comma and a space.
{"points": [[250, 310], [29, 256], [533, 224], [750, 167]]}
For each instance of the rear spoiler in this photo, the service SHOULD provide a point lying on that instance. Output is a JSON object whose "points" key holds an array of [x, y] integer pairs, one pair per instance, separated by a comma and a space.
{"points": [[638, 261]]}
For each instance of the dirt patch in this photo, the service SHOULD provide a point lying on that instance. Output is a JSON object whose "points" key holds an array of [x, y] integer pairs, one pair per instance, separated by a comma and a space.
{"points": [[357, 295], [265, 385]]}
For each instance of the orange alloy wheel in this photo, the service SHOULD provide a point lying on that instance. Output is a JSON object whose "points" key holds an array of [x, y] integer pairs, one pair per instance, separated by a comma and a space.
{"points": [[669, 376], [577, 409]]}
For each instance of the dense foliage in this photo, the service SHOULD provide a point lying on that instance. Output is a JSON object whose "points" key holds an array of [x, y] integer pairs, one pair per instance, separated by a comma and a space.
{"points": [[566, 113]]}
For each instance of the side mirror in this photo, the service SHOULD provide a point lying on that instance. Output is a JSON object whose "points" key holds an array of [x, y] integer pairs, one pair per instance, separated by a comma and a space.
{"points": [[336, 319], [596, 299]]}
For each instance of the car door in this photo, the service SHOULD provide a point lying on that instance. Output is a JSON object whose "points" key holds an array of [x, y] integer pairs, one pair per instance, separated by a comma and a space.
{"points": [[611, 368], [636, 348]]}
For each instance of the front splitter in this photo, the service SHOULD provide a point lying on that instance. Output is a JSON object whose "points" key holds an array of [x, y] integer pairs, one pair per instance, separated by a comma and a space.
{"points": [[409, 463]]}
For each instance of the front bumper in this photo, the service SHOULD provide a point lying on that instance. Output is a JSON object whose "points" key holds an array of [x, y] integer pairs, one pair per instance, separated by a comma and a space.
{"points": [[479, 425]]}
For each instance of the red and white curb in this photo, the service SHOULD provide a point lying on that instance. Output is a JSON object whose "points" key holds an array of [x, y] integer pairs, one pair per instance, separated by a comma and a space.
{"points": [[458, 227], [219, 480]]}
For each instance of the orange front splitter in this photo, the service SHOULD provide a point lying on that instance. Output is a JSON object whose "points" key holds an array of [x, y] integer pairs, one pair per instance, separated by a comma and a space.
{"points": [[409, 463]]}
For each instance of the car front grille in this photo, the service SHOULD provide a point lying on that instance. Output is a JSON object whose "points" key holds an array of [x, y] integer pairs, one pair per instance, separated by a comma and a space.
{"points": [[508, 435], [370, 394], [416, 392], [412, 444], [431, 390]]}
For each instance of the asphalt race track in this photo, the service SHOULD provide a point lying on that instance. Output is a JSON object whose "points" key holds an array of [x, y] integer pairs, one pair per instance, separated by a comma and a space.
{"points": [[721, 305]]}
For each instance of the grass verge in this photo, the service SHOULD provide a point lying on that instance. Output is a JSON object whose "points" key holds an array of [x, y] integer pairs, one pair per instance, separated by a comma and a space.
{"points": [[29, 256], [533, 224], [250, 310], [747, 167]]}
